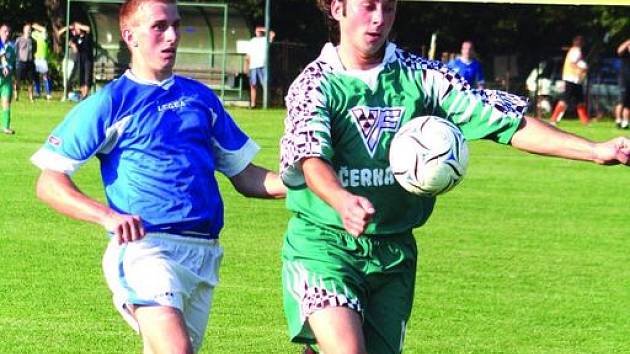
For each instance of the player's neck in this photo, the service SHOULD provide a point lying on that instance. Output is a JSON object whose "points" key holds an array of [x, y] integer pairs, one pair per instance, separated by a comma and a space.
{"points": [[353, 59], [150, 75]]}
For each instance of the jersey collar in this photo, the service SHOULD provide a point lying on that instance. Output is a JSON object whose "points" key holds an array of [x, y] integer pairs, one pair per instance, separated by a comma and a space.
{"points": [[330, 56], [165, 84]]}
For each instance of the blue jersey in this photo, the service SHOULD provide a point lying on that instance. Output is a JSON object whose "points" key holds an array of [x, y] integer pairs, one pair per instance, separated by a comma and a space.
{"points": [[159, 145], [471, 71]]}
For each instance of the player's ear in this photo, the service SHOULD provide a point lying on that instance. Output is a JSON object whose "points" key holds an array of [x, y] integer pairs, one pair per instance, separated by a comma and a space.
{"points": [[336, 9], [128, 37]]}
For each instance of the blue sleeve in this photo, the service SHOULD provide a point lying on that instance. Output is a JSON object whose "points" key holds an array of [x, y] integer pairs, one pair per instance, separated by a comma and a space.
{"points": [[232, 148], [81, 135]]}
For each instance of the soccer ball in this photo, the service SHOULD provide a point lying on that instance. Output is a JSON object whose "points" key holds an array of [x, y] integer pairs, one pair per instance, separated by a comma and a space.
{"points": [[428, 156]]}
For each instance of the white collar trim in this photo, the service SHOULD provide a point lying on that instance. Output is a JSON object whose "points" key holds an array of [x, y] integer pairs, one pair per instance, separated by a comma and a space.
{"points": [[165, 84]]}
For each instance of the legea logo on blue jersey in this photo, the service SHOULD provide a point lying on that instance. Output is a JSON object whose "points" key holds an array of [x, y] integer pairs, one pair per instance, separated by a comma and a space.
{"points": [[373, 121], [171, 105]]}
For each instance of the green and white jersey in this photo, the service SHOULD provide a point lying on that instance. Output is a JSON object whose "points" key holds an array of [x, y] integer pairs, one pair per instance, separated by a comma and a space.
{"points": [[349, 117]]}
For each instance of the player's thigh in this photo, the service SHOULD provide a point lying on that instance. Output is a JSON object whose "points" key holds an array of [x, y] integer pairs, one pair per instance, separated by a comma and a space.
{"points": [[338, 330], [387, 314], [163, 329], [391, 296], [319, 271]]}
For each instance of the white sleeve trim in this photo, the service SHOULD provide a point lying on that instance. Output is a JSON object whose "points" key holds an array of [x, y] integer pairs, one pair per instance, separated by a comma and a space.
{"points": [[48, 160], [233, 162]]}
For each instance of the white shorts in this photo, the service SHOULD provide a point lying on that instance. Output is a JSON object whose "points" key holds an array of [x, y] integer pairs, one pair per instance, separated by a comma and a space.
{"points": [[41, 66], [165, 270]]}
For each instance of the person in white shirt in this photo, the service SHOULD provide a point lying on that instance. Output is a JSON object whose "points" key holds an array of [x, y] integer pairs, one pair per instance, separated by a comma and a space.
{"points": [[573, 74], [256, 56]]}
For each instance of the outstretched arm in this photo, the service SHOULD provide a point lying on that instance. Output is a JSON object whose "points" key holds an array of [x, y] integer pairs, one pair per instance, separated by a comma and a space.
{"points": [[258, 182], [57, 190], [538, 137], [624, 47], [37, 27], [355, 211]]}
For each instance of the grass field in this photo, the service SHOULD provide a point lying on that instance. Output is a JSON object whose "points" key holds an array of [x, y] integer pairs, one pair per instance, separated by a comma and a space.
{"points": [[527, 255]]}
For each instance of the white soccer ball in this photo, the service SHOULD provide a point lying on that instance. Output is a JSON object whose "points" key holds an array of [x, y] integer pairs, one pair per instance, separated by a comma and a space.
{"points": [[428, 156]]}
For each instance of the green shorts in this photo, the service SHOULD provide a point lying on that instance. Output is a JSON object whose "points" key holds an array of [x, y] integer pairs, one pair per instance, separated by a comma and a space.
{"points": [[373, 275], [6, 87]]}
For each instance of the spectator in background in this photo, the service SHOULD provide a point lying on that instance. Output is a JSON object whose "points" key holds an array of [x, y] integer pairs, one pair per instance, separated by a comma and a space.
{"points": [[573, 75], [25, 48], [468, 67], [7, 67], [40, 35], [256, 57], [68, 65], [624, 52], [80, 36]]}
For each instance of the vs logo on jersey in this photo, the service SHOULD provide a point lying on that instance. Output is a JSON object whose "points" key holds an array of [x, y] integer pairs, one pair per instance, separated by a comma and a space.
{"points": [[373, 121]]}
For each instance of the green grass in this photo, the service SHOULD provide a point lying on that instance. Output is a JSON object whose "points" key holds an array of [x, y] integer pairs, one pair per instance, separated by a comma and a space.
{"points": [[527, 255]]}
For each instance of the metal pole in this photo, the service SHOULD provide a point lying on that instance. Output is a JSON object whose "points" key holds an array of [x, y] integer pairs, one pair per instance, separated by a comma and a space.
{"points": [[66, 74], [225, 24], [268, 77]]}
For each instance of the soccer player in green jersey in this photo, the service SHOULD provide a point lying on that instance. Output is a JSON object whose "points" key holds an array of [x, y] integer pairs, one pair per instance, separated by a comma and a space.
{"points": [[7, 67], [349, 256]]}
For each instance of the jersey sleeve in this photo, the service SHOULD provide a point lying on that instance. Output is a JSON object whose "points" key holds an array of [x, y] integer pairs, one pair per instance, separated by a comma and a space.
{"points": [[480, 114], [233, 150], [83, 133], [306, 126]]}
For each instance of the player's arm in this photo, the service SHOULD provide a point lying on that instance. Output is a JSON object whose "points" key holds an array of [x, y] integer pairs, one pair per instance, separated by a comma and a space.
{"points": [[57, 190], [538, 137], [355, 211], [258, 182], [623, 47], [82, 27], [39, 28]]}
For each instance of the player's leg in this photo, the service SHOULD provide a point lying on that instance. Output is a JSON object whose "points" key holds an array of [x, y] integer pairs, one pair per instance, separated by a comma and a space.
{"points": [[322, 282], [158, 306], [163, 329], [391, 296], [338, 330], [253, 81], [30, 79], [6, 88], [581, 105]]}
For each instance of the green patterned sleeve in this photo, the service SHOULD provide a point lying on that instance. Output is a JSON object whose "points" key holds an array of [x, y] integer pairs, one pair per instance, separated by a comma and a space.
{"points": [[480, 114], [307, 124]]}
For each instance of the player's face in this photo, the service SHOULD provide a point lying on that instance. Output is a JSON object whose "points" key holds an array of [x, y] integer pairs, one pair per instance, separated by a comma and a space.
{"points": [[466, 49], [4, 34], [154, 40], [364, 26]]}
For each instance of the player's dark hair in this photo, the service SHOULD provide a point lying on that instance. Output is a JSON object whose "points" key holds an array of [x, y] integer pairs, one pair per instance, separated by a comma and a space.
{"points": [[333, 25]]}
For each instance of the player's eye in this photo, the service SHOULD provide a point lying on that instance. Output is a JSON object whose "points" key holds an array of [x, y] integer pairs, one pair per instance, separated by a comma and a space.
{"points": [[160, 26]]}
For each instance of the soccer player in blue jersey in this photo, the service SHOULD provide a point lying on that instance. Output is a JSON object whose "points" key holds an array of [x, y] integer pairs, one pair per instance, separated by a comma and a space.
{"points": [[467, 66], [159, 139]]}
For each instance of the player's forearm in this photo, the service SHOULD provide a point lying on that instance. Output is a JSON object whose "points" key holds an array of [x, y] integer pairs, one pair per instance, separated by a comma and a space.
{"points": [[258, 182], [322, 180], [541, 138], [57, 190]]}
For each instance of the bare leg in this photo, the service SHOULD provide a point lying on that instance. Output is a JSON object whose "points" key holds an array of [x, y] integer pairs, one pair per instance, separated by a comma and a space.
{"points": [[338, 330], [252, 96], [163, 330]]}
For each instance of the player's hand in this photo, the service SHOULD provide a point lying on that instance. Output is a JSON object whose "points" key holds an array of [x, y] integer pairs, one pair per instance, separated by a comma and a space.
{"points": [[126, 228], [613, 152], [356, 212]]}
